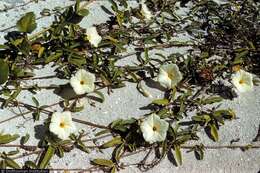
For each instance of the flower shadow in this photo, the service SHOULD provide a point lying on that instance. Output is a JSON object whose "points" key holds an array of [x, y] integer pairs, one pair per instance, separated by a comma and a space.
{"points": [[153, 84], [65, 91], [40, 131]]}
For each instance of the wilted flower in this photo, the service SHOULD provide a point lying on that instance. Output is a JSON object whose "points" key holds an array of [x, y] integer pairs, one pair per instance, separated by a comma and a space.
{"points": [[243, 81], [62, 125], [169, 75], [154, 129], [83, 82], [146, 12], [93, 36]]}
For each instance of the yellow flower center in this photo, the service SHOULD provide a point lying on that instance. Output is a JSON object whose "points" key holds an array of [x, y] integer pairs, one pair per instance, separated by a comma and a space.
{"points": [[171, 76], [89, 37], [241, 82], [156, 127], [62, 124], [82, 82]]}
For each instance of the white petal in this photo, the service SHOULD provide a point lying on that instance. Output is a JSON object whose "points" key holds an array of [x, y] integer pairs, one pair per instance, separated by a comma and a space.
{"points": [[55, 118], [62, 132], [163, 79], [66, 116], [87, 78], [75, 83], [55, 129], [146, 12], [147, 132], [170, 75], [93, 36], [247, 78], [150, 135]]}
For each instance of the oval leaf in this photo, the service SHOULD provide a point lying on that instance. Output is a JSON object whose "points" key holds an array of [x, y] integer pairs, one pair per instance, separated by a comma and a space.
{"points": [[47, 157], [11, 163], [111, 143], [4, 69], [161, 102], [27, 23], [178, 154], [4, 139], [103, 162], [214, 132]]}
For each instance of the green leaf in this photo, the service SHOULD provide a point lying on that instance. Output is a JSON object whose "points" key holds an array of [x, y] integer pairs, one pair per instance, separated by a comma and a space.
{"points": [[214, 132], [77, 60], [101, 95], [4, 69], [2, 46], [102, 132], [199, 153], [47, 157], [2, 164], [103, 162], [113, 169], [24, 139], [113, 5], [53, 57], [113, 142], [80, 145], [27, 23], [83, 12], [11, 153], [30, 164], [4, 139], [119, 151], [239, 57], [35, 101], [77, 5], [178, 154], [160, 101], [122, 125], [140, 87], [211, 100], [227, 114], [11, 163]]}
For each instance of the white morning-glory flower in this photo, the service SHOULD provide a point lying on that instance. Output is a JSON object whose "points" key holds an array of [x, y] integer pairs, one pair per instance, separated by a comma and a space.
{"points": [[83, 82], [169, 75], [93, 37], [243, 81], [146, 12], [220, 2], [154, 129], [62, 125]]}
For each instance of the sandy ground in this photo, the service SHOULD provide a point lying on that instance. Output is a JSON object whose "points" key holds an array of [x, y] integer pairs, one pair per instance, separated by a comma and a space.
{"points": [[122, 102]]}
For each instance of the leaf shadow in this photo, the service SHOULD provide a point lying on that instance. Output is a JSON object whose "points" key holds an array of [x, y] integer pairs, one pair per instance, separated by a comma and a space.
{"points": [[40, 131], [65, 91], [153, 84], [257, 138], [207, 131], [171, 158]]}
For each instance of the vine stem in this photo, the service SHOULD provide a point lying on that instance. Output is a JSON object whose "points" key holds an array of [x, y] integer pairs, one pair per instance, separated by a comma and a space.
{"points": [[250, 146], [223, 146]]}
